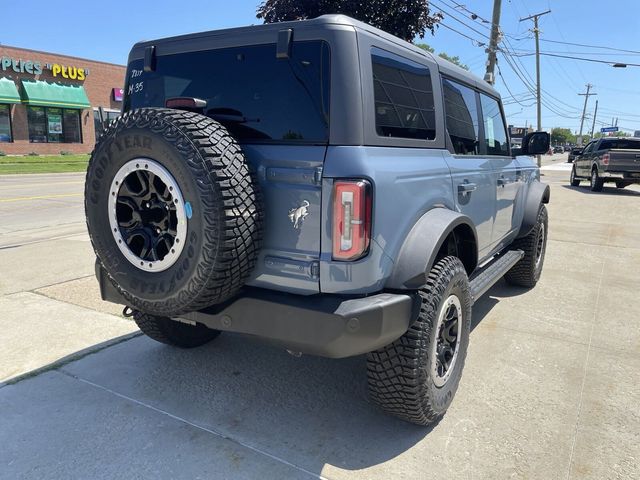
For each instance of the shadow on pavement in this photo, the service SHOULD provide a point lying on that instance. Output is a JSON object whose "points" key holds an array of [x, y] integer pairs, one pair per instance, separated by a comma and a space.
{"points": [[310, 411], [606, 190]]}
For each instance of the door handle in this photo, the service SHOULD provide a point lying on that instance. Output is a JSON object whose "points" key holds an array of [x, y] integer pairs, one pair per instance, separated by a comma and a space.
{"points": [[467, 187]]}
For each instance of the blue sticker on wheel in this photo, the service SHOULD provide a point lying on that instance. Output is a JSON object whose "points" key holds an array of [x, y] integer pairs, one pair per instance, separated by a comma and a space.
{"points": [[188, 210]]}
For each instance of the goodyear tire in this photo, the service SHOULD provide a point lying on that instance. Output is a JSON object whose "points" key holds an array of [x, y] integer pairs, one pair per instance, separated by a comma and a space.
{"points": [[416, 377], [172, 210]]}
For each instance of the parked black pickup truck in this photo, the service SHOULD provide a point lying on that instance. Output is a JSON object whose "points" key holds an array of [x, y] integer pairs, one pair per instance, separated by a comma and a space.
{"points": [[608, 160]]}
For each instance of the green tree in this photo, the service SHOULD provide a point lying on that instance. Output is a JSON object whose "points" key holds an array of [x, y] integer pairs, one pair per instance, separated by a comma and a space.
{"points": [[619, 133], [455, 59], [426, 47], [406, 19], [560, 136]]}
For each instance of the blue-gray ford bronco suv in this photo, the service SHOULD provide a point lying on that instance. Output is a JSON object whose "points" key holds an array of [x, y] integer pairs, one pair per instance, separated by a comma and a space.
{"points": [[320, 184]]}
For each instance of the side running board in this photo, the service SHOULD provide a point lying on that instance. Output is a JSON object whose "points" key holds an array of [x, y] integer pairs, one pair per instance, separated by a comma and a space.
{"points": [[484, 279]]}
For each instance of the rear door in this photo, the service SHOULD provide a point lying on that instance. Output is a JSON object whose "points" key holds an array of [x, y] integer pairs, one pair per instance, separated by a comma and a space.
{"points": [[472, 174], [506, 171]]}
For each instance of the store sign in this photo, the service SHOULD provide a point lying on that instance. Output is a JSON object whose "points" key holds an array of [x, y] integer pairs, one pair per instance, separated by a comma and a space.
{"points": [[21, 66], [73, 73], [118, 94]]}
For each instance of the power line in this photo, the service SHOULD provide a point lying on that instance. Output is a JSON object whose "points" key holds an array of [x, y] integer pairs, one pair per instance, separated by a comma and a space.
{"points": [[452, 16], [590, 46], [508, 89], [479, 43], [519, 51], [608, 62]]}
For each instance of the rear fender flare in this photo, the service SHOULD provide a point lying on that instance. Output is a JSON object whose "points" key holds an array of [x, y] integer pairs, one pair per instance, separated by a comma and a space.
{"points": [[420, 249], [539, 193]]}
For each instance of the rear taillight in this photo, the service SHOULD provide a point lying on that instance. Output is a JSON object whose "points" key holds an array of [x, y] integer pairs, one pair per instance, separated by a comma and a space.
{"points": [[605, 159], [351, 219]]}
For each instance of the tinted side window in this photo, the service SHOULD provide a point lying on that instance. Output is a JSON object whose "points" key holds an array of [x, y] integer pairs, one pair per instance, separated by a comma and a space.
{"points": [[495, 132], [462, 117], [403, 97], [258, 97], [588, 148]]}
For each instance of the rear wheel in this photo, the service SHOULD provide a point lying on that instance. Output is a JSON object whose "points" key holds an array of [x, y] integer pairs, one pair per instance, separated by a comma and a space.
{"points": [[572, 179], [416, 377], [596, 182], [172, 332]]}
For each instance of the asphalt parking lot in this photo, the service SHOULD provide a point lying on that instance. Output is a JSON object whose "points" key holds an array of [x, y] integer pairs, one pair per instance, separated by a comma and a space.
{"points": [[550, 387]]}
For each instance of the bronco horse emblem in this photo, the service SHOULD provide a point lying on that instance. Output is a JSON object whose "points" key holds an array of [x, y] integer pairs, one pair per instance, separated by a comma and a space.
{"points": [[297, 215]]}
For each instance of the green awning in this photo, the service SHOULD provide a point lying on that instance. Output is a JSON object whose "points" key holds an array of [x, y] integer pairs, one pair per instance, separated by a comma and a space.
{"points": [[49, 94], [8, 91]]}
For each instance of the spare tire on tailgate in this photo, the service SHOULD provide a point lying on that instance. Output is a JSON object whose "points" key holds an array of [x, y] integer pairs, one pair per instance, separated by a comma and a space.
{"points": [[173, 212]]}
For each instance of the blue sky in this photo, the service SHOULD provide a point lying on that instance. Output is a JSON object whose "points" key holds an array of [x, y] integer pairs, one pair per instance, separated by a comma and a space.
{"points": [[64, 26]]}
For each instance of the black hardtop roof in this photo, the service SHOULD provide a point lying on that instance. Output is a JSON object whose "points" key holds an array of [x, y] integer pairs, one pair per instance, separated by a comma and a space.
{"points": [[445, 66]]}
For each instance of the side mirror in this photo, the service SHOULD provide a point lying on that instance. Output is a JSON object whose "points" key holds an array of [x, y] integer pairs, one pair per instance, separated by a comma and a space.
{"points": [[535, 143]]}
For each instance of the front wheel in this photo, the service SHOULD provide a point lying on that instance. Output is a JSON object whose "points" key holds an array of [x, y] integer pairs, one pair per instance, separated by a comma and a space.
{"points": [[527, 271], [416, 377], [572, 179]]}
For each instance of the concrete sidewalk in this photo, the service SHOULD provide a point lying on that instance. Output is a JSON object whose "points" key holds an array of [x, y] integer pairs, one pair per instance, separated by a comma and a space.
{"points": [[550, 387]]}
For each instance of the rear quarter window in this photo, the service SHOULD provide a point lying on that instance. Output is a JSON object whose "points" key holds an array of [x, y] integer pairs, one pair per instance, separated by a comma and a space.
{"points": [[257, 96], [403, 96]]}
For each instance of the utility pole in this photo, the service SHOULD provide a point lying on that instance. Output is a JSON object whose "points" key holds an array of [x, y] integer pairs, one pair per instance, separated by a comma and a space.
{"points": [[536, 32], [593, 125], [489, 76], [584, 111]]}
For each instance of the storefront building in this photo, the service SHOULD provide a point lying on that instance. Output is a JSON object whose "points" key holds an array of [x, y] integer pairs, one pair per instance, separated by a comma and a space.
{"points": [[55, 103]]}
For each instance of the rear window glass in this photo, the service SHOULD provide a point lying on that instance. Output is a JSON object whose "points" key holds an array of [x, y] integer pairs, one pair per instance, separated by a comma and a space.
{"points": [[620, 144], [258, 97], [403, 97]]}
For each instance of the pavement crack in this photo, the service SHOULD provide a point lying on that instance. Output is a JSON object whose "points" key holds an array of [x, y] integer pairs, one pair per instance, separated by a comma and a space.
{"points": [[195, 425], [586, 363]]}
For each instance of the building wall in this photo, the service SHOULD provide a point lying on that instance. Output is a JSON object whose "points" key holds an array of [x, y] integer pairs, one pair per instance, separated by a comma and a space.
{"points": [[98, 85]]}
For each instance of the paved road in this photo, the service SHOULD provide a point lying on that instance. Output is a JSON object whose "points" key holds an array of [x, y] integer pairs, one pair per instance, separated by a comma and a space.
{"points": [[550, 388]]}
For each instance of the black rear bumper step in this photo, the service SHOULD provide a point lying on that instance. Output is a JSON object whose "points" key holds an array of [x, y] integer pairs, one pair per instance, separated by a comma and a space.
{"points": [[326, 325], [488, 275]]}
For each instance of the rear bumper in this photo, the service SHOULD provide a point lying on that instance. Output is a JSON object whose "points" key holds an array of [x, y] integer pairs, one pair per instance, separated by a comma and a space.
{"points": [[627, 176], [325, 325]]}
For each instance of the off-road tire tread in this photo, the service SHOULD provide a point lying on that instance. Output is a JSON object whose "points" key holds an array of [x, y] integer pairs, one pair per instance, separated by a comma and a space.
{"points": [[397, 374], [523, 273], [214, 157], [172, 332]]}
